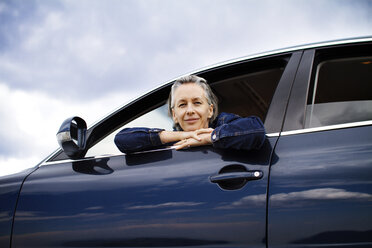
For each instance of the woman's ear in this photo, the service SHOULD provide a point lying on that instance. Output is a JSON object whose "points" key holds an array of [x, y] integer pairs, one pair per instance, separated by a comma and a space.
{"points": [[210, 111], [174, 117]]}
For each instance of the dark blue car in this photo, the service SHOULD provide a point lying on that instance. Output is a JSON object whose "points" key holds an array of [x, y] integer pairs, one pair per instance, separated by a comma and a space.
{"points": [[315, 169]]}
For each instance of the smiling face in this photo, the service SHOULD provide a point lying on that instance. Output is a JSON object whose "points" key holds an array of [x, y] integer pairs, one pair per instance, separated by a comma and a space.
{"points": [[191, 109]]}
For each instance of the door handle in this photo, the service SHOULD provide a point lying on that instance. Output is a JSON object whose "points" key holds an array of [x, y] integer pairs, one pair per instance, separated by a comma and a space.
{"points": [[235, 176], [246, 175]]}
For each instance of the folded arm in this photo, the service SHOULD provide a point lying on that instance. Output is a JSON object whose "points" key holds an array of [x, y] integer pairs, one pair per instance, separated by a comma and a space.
{"points": [[138, 139], [242, 133]]}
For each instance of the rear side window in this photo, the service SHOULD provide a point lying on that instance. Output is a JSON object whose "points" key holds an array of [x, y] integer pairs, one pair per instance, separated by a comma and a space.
{"points": [[341, 92]]}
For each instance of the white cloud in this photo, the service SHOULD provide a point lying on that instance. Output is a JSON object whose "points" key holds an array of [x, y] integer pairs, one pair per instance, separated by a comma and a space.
{"points": [[30, 120], [12, 164], [82, 44]]}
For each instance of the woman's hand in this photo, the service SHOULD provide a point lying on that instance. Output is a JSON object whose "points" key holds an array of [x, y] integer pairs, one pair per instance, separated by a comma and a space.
{"points": [[196, 134], [198, 137], [175, 136]]}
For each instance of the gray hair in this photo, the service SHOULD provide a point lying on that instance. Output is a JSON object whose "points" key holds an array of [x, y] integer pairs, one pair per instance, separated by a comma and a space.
{"points": [[211, 97]]}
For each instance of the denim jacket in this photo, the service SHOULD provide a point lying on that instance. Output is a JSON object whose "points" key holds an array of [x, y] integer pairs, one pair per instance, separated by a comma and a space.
{"points": [[230, 132]]}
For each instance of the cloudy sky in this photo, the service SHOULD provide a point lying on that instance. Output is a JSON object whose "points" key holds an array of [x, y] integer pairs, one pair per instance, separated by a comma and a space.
{"points": [[86, 58]]}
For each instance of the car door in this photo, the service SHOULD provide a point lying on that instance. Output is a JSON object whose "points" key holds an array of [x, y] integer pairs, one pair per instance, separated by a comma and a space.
{"points": [[164, 197], [320, 186]]}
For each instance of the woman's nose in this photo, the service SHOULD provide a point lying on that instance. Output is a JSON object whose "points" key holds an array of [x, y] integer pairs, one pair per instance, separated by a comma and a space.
{"points": [[190, 109]]}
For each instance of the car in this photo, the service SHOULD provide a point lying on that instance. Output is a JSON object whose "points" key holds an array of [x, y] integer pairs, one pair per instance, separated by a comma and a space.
{"points": [[310, 185]]}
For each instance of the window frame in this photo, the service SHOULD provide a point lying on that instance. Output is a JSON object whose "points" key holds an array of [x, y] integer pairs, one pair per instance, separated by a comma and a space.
{"points": [[145, 103], [296, 112]]}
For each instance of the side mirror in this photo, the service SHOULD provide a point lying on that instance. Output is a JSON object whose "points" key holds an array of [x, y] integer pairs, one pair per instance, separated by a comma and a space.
{"points": [[71, 136]]}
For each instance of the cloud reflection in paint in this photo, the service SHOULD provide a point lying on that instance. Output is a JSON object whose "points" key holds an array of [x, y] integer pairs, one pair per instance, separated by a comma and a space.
{"points": [[166, 205], [299, 198]]}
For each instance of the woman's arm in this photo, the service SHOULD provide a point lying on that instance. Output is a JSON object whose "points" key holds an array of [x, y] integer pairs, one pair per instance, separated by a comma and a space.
{"points": [[174, 136], [233, 131], [204, 138], [138, 139]]}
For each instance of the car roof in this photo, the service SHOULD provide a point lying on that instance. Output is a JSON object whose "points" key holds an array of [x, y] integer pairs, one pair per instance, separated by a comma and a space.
{"points": [[288, 49]]}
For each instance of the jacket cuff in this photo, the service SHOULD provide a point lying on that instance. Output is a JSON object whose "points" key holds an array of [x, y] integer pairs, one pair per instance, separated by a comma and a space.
{"points": [[215, 136], [154, 136]]}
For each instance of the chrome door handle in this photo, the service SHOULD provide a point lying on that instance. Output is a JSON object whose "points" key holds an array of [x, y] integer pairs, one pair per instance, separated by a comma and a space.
{"points": [[246, 175]]}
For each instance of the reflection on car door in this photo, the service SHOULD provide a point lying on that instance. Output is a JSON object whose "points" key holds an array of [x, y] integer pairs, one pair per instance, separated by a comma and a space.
{"points": [[320, 189], [161, 198]]}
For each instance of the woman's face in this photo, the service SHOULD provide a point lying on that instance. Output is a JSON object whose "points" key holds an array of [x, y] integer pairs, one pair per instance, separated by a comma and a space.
{"points": [[191, 109]]}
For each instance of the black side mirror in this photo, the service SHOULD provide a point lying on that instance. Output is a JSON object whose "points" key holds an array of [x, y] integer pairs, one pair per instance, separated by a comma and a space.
{"points": [[71, 136]]}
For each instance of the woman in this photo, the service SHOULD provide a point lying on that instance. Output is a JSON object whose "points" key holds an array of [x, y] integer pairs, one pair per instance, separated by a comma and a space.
{"points": [[193, 107]]}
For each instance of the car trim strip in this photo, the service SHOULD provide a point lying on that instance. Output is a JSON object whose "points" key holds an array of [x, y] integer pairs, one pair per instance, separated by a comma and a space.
{"points": [[326, 128], [78, 160], [270, 135]]}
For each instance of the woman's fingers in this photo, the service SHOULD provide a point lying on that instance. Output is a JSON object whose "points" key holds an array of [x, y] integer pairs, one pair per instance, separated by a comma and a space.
{"points": [[195, 136], [184, 144], [196, 133], [198, 137], [180, 142], [204, 130]]}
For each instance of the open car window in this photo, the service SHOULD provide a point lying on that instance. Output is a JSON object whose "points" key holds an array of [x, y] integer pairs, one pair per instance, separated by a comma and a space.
{"points": [[247, 94], [157, 118]]}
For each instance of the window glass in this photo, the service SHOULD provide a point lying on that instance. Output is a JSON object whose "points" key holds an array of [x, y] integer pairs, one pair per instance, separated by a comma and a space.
{"points": [[157, 118], [341, 93], [250, 94]]}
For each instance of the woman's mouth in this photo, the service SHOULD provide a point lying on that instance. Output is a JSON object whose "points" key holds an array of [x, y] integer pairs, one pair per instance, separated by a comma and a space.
{"points": [[192, 120]]}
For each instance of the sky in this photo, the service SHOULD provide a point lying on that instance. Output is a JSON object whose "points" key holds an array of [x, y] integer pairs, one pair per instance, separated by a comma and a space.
{"points": [[64, 58]]}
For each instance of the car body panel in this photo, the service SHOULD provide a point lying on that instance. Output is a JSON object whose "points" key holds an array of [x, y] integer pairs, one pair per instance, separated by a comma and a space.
{"points": [[161, 197], [9, 191], [321, 190]]}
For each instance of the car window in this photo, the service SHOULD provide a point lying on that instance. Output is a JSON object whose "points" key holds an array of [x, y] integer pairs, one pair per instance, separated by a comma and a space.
{"points": [[340, 93], [247, 94], [157, 118]]}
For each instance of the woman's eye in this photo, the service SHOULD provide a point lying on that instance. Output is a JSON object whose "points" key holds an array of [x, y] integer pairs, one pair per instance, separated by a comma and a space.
{"points": [[197, 103], [181, 105]]}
